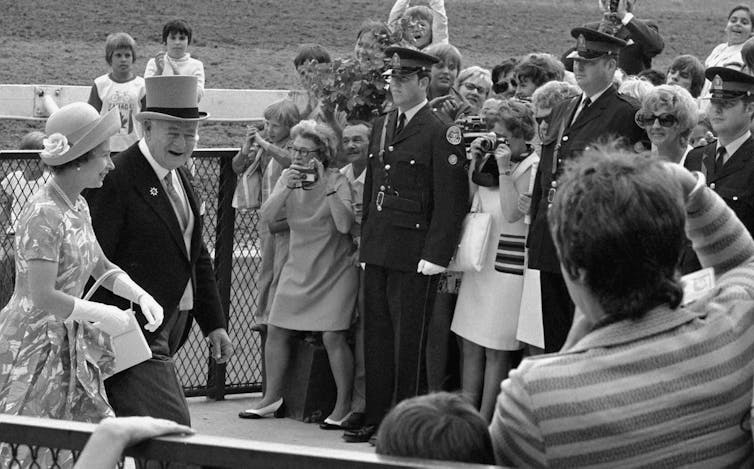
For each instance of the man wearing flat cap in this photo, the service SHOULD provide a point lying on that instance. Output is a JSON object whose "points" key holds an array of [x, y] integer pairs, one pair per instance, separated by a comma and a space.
{"points": [[146, 218], [599, 114], [415, 198], [727, 163]]}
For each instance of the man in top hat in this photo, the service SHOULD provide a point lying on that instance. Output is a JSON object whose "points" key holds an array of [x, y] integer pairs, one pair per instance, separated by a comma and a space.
{"points": [[727, 163], [415, 198], [598, 114], [146, 218]]}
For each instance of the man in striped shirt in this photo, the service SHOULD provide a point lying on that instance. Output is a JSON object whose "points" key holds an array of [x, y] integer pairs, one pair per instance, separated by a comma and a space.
{"points": [[647, 382]]}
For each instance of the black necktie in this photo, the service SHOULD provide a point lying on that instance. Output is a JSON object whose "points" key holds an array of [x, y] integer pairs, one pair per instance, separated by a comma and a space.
{"points": [[584, 105], [401, 123], [720, 159]]}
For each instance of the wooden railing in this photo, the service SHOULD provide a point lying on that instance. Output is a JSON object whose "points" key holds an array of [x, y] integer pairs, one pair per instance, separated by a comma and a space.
{"points": [[204, 450], [30, 101]]}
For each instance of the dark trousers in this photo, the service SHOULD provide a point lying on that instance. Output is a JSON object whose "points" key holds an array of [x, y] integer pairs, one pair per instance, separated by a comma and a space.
{"points": [[557, 310], [152, 388], [397, 309]]}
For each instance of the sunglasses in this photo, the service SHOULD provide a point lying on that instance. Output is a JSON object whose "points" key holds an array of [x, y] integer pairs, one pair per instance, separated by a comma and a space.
{"points": [[666, 120], [479, 89], [503, 86]]}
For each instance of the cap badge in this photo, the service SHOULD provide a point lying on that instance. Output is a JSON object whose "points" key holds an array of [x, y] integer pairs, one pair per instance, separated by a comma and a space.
{"points": [[581, 43], [717, 83], [395, 61]]}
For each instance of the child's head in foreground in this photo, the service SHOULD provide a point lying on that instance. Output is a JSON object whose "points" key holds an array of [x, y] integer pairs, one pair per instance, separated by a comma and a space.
{"points": [[440, 426]]}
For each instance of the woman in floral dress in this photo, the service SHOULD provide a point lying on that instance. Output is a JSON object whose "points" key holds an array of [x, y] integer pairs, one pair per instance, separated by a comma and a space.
{"points": [[52, 358]]}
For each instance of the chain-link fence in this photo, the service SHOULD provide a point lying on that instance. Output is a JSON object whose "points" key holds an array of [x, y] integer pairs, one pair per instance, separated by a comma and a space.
{"points": [[231, 238]]}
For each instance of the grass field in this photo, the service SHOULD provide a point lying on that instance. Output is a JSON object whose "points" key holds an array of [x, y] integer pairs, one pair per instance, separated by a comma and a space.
{"points": [[250, 44]]}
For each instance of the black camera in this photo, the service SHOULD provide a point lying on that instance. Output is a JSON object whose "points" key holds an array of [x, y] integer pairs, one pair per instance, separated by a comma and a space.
{"points": [[473, 127], [488, 144]]}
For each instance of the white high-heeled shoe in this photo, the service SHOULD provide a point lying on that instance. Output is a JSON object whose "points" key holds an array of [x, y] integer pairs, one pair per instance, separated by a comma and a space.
{"points": [[276, 409], [330, 424]]}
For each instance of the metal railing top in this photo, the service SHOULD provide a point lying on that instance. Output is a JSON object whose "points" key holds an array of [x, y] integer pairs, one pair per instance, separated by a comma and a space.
{"points": [[207, 450]]}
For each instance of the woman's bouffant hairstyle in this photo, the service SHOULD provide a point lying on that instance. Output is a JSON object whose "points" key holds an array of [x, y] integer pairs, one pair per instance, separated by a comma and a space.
{"points": [[178, 26], [618, 219], [116, 41], [676, 101], [553, 92], [475, 72], [635, 88], [446, 53], [322, 134], [694, 68], [311, 52], [540, 68], [284, 112], [439, 426], [518, 117]]}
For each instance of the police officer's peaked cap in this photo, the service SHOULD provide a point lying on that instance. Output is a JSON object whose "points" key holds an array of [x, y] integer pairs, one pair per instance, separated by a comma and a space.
{"points": [[405, 61], [728, 83], [592, 44]]}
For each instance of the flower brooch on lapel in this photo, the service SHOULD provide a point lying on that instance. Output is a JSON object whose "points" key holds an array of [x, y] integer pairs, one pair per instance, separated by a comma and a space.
{"points": [[153, 191]]}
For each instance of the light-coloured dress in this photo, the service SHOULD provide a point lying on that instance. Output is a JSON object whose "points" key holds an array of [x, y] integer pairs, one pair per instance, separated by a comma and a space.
{"points": [[318, 285], [489, 301], [48, 367]]}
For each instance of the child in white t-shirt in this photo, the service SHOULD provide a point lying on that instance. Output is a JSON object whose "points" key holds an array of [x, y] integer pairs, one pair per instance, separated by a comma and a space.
{"points": [[175, 60], [120, 88]]}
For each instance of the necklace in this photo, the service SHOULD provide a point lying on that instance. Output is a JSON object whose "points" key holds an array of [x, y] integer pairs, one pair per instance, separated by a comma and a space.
{"points": [[62, 194]]}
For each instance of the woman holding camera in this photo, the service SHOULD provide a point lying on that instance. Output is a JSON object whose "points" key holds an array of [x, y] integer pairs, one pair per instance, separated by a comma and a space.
{"points": [[486, 315], [318, 285]]}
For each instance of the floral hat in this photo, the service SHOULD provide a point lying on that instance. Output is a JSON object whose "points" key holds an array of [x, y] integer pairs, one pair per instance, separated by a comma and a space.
{"points": [[74, 129]]}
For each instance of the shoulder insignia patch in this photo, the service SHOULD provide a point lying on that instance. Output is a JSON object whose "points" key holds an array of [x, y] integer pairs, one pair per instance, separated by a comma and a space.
{"points": [[454, 136], [452, 159]]}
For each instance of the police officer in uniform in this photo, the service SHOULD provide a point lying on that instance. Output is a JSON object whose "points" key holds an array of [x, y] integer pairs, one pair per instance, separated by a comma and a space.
{"points": [[599, 113], [415, 198], [728, 163]]}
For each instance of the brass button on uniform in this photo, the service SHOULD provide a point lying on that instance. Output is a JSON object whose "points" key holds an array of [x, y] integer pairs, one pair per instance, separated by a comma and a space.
{"points": [[387, 167], [382, 188], [390, 148], [412, 162], [418, 225], [712, 186], [565, 138]]}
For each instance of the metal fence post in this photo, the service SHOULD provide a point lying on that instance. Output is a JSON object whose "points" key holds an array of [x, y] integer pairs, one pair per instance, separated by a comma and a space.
{"points": [[226, 216]]}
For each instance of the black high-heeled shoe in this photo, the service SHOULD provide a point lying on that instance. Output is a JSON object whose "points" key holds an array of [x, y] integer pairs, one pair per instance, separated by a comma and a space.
{"points": [[276, 409]]}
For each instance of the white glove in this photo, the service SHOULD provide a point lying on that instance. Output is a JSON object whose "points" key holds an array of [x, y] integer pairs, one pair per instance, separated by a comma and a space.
{"points": [[109, 318], [125, 287], [428, 268]]}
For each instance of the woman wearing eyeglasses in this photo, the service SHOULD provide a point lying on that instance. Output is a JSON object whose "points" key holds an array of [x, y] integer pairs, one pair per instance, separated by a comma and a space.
{"points": [[318, 284], [668, 114], [473, 86]]}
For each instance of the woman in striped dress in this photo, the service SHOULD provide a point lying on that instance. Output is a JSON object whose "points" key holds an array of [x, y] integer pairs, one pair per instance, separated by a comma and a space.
{"points": [[486, 314]]}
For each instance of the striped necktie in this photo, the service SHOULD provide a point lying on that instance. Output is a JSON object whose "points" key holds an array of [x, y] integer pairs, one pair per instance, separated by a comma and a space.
{"points": [[175, 198]]}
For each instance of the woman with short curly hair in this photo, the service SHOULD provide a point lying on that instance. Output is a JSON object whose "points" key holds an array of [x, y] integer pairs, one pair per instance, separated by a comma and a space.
{"points": [[668, 114]]}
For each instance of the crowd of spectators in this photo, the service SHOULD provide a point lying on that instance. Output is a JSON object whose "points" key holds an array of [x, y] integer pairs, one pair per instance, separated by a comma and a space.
{"points": [[604, 180]]}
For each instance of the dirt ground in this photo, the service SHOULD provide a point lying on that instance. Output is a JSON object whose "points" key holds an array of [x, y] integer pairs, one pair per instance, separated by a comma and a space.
{"points": [[251, 43]]}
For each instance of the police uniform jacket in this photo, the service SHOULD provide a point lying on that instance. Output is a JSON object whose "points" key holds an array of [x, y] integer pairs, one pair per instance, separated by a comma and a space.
{"points": [[610, 116], [733, 182], [415, 193]]}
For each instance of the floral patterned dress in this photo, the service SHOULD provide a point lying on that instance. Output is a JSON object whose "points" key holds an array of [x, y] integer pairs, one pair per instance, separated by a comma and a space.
{"points": [[50, 367]]}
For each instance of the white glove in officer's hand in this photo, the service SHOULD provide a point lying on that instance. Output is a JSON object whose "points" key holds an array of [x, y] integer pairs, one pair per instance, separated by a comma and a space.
{"points": [[109, 318], [428, 268]]}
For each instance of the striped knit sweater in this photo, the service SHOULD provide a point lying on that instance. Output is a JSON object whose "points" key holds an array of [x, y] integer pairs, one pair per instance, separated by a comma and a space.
{"points": [[673, 388]]}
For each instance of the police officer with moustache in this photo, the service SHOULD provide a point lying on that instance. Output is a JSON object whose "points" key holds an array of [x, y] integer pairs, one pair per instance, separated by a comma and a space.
{"points": [[599, 113], [415, 198], [728, 163]]}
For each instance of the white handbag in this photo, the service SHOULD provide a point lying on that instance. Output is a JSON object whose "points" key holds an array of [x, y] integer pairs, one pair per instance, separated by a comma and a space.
{"points": [[475, 236], [130, 347]]}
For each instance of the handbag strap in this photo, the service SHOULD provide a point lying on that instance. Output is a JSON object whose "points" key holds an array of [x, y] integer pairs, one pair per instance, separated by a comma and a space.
{"points": [[476, 203], [524, 165], [97, 283]]}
